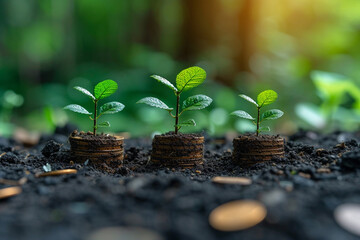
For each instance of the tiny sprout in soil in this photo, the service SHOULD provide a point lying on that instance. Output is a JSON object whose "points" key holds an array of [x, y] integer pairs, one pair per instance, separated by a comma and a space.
{"points": [[185, 80], [102, 90], [264, 98]]}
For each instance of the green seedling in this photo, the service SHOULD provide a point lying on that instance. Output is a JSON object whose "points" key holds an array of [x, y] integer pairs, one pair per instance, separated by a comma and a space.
{"points": [[185, 80], [264, 98], [102, 90]]}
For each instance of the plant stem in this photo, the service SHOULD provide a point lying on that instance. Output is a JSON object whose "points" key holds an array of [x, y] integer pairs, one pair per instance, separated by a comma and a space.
{"points": [[95, 117], [177, 113], [258, 122]]}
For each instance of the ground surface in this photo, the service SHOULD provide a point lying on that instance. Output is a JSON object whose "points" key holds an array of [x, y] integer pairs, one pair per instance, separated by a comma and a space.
{"points": [[300, 191]]}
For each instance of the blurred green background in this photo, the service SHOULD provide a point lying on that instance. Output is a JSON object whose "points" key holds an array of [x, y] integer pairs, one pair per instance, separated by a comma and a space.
{"points": [[49, 46]]}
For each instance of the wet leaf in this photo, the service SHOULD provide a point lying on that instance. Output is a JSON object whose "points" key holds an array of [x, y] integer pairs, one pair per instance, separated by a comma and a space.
{"points": [[249, 99], [264, 129], [266, 97], [187, 123], [104, 124], [111, 108], [190, 78], [105, 89], [84, 91], [196, 102], [165, 82], [154, 102], [77, 108], [271, 114], [242, 114]]}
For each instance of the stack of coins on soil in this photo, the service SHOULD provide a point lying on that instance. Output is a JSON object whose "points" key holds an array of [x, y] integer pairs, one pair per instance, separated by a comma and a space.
{"points": [[98, 151], [185, 150], [249, 150]]}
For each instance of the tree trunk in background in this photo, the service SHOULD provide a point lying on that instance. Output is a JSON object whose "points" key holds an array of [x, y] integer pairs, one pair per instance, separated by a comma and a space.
{"points": [[198, 29], [151, 29], [246, 37], [199, 33]]}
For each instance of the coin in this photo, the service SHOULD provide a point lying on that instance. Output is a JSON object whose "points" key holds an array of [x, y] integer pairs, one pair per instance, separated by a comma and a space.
{"points": [[57, 172], [232, 180], [237, 215], [124, 233], [21, 181], [348, 217], [9, 192]]}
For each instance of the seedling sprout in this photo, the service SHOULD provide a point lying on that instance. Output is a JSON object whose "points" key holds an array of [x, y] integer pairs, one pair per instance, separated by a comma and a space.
{"points": [[185, 80], [102, 90], [264, 98]]}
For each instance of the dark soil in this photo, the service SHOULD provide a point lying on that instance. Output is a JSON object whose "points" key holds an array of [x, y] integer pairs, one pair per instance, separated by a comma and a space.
{"points": [[261, 137], [182, 135], [90, 136], [300, 191]]}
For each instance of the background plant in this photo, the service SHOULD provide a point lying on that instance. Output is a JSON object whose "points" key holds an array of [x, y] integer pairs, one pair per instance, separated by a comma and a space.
{"points": [[102, 90], [9, 101], [339, 106], [185, 80], [263, 99]]}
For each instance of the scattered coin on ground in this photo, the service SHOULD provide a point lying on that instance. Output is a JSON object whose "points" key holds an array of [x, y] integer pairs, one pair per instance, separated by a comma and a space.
{"points": [[124, 233], [323, 170], [232, 180], [237, 215], [57, 173], [9, 192], [348, 217], [21, 181]]}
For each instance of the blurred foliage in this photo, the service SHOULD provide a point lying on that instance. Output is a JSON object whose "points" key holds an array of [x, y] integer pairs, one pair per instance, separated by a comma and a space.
{"points": [[49, 46], [340, 107], [9, 101]]}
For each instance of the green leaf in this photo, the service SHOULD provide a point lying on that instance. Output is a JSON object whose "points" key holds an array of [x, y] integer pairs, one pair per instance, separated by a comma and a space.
{"points": [[154, 102], [111, 107], [249, 99], [187, 123], [165, 82], [104, 124], [242, 114], [190, 78], [264, 129], [84, 91], [266, 97], [196, 102], [105, 89], [77, 108], [271, 114]]}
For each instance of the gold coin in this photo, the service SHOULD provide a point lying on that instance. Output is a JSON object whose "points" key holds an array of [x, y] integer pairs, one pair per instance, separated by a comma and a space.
{"points": [[9, 192], [348, 217], [237, 215], [232, 180], [124, 233], [57, 173]]}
